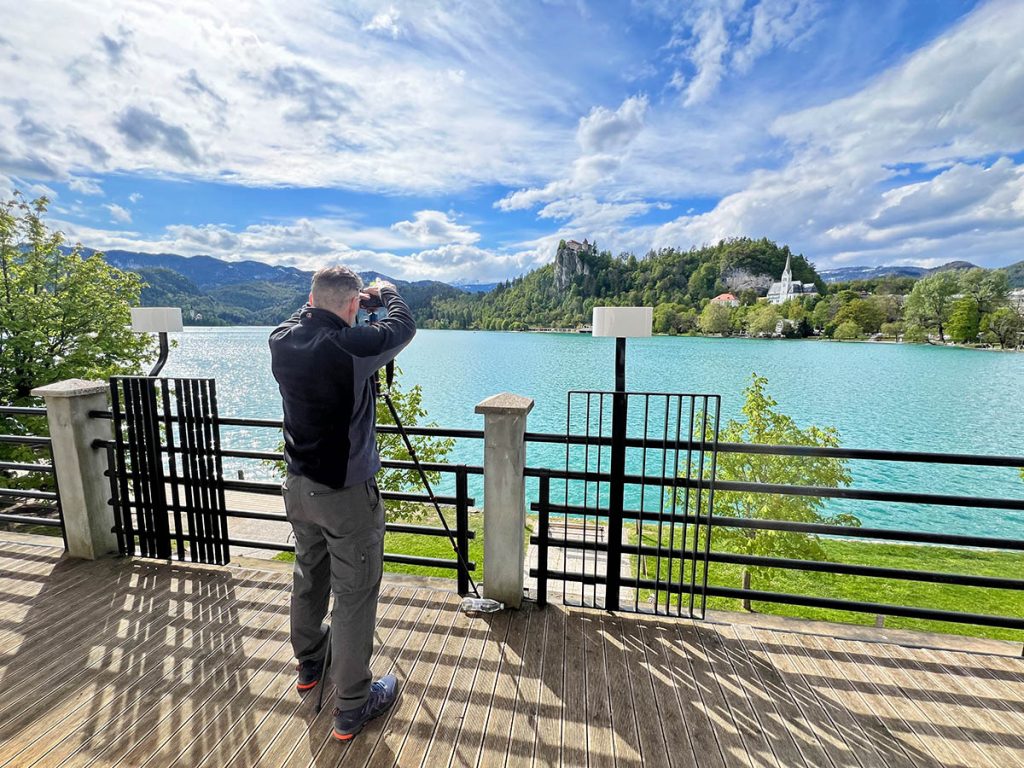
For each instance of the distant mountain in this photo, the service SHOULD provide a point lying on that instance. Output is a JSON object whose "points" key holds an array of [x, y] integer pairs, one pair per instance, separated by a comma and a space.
{"points": [[845, 274], [476, 287], [1016, 273], [212, 291]]}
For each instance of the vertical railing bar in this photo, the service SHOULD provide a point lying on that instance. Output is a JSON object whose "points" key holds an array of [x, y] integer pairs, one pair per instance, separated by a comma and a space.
{"points": [[209, 524], [672, 519], [710, 508], [121, 468], [700, 498], [172, 466], [462, 527], [661, 513], [140, 489], [542, 546], [188, 475], [597, 505], [121, 530], [154, 457], [641, 561], [224, 556], [197, 476], [686, 510], [565, 516]]}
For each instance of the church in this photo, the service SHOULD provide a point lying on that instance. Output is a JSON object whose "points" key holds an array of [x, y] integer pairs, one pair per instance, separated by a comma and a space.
{"points": [[786, 288]]}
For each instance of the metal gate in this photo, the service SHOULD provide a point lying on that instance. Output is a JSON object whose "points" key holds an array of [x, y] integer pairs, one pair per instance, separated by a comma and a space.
{"points": [[166, 479], [627, 525]]}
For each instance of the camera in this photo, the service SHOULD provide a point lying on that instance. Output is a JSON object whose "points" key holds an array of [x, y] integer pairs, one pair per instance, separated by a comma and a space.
{"points": [[370, 303]]}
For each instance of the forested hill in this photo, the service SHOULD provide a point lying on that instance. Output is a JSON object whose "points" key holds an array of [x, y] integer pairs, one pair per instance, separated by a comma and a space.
{"points": [[563, 294]]}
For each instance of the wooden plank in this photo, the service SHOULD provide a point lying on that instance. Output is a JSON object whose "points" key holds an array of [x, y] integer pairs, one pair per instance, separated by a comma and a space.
{"points": [[392, 606], [959, 737], [574, 712], [981, 717], [307, 734], [425, 718], [497, 723], [549, 706], [850, 710], [112, 732], [902, 718], [756, 749], [649, 717], [454, 711], [777, 690], [684, 723], [622, 712], [523, 731], [717, 706], [411, 662], [600, 741], [471, 734], [773, 645], [80, 706]]}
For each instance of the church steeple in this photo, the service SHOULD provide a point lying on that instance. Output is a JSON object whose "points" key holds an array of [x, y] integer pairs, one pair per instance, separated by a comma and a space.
{"points": [[786, 286]]}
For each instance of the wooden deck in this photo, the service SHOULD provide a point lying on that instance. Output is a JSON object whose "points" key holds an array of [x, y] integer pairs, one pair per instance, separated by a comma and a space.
{"points": [[135, 663]]}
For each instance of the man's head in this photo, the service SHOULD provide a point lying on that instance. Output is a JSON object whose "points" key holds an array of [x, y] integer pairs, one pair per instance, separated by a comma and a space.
{"points": [[337, 289]]}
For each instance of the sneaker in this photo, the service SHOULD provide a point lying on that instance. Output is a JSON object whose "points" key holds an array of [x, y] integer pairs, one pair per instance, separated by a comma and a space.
{"points": [[349, 722], [310, 673]]}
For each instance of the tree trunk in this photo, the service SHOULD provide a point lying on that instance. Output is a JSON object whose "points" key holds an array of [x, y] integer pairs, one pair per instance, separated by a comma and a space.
{"points": [[746, 587]]}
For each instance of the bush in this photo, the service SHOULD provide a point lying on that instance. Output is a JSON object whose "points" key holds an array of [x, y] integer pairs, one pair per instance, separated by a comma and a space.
{"points": [[847, 331]]}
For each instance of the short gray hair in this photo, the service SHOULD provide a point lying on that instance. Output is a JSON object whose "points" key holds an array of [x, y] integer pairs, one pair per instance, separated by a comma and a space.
{"points": [[333, 287]]}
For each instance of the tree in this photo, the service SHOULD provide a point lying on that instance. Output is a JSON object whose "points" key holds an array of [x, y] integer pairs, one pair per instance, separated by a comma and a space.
{"points": [[1005, 326], [963, 320], [715, 318], [411, 412], [847, 331], [892, 330], [763, 320], [931, 302], [868, 315], [986, 288], [762, 423], [61, 316]]}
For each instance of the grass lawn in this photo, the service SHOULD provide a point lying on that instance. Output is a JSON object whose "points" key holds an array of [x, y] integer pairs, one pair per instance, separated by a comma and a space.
{"points": [[429, 546], [1003, 602]]}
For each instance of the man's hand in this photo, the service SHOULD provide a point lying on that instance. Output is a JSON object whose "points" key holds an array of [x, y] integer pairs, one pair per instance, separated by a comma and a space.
{"points": [[370, 296]]}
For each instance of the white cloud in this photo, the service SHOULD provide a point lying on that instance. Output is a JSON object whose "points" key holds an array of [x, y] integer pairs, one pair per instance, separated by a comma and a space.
{"points": [[134, 197], [85, 186], [385, 21], [119, 214], [435, 228]]}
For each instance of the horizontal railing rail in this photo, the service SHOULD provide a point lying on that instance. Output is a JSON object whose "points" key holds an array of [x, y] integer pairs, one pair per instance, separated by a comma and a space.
{"points": [[31, 468]]}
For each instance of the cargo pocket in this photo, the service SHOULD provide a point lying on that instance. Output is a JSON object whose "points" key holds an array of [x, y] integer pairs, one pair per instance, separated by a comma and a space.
{"points": [[357, 563]]}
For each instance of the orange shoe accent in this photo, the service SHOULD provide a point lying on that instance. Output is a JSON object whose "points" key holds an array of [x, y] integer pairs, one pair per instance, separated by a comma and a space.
{"points": [[307, 686], [342, 737]]}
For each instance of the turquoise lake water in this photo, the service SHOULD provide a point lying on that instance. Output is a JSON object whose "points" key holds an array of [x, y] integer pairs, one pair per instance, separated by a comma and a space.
{"points": [[883, 396]]}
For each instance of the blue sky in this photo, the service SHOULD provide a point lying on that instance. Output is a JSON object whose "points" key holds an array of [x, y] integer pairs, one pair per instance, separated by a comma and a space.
{"points": [[461, 140]]}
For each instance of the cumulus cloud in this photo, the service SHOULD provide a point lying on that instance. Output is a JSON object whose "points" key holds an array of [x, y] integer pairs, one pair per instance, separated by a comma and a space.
{"points": [[385, 22], [146, 130], [435, 228], [119, 214], [85, 186]]}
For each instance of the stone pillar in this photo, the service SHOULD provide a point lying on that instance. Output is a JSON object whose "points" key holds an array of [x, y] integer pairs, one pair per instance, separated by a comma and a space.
{"points": [[84, 490], [504, 496]]}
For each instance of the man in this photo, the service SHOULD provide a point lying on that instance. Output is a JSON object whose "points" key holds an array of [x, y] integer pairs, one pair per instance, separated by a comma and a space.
{"points": [[326, 367]]}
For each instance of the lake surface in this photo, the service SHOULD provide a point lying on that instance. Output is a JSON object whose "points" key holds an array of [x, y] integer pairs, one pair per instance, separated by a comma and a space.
{"points": [[885, 396]]}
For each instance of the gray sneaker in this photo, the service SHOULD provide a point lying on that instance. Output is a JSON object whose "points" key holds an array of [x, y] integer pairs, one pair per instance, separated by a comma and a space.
{"points": [[349, 722]]}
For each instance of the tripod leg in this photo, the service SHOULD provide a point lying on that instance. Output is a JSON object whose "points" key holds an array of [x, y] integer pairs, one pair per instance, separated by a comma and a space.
{"points": [[323, 674]]}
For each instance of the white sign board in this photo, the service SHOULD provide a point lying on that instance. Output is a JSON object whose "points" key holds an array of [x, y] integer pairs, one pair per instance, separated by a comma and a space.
{"points": [[623, 322], [156, 319]]}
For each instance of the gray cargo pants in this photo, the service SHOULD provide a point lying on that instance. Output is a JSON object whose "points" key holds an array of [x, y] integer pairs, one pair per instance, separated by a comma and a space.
{"points": [[339, 548]]}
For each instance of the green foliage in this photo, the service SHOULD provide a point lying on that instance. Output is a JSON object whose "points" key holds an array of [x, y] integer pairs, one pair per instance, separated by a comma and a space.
{"points": [[1004, 326], [61, 317], [987, 288], [847, 331], [867, 315], [715, 318], [762, 423], [930, 304], [964, 320], [763, 319], [681, 280], [891, 330], [915, 334], [409, 405]]}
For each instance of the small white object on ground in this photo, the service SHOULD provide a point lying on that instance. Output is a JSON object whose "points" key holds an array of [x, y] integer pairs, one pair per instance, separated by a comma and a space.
{"points": [[480, 605]]}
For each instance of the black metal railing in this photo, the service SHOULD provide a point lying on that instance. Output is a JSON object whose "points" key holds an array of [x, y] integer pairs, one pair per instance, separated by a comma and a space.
{"points": [[460, 501], [43, 465], [546, 537]]}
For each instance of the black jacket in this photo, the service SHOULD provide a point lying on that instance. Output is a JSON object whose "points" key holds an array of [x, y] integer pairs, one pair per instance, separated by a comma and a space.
{"points": [[325, 370]]}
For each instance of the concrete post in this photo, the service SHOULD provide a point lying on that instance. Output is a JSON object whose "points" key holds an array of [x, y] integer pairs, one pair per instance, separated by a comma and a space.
{"points": [[84, 490], [504, 496]]}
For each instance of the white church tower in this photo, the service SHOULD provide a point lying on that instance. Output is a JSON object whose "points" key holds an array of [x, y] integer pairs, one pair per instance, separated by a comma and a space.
{"points": [[786, 289]]}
